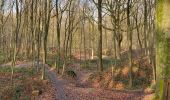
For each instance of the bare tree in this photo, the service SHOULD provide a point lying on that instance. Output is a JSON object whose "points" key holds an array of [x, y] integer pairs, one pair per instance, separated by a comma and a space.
{"points": [[100, 33], [129, 33], [47, 16]]}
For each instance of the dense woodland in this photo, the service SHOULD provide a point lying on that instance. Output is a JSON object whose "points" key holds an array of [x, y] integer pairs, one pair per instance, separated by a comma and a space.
{"points": [[112, 42]]}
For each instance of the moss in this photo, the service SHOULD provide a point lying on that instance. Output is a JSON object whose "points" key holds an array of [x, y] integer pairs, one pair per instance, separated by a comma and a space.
{"points": [[160, 66], [162, 49], [159, 90], [167, 57], [159, 12]]}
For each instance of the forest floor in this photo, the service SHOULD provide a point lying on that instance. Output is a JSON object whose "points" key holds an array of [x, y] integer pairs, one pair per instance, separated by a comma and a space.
{"points": [[27, 83], [79, 89]]}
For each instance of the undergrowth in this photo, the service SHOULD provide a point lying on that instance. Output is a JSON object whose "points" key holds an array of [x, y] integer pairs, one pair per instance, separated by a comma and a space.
{"points": [[28, 71]]}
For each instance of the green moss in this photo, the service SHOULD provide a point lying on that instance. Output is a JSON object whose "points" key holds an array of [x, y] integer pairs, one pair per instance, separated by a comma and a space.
{"points": [[167, 57], [159, 11], [159, 90], [163, 65], [162, 51]]}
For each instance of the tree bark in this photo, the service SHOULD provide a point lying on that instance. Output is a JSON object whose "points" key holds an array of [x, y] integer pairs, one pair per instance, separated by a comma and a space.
{"points": [[47, 10], [129, 34], [100, 34], [162, 49]]}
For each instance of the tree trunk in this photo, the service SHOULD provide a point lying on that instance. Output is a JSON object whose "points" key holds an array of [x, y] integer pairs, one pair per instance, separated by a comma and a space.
{"points": [[100, 34], [145, 26], [47, 9], [162, 49], [129, 34], [58, 37]]}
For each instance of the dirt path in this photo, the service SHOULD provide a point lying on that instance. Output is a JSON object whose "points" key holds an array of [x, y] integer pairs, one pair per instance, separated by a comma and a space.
{"points": [[60, 94], [66, 90]]}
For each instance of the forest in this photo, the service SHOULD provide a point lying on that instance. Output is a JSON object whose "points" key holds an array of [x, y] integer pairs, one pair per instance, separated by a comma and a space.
{"points": [[84, 50]]}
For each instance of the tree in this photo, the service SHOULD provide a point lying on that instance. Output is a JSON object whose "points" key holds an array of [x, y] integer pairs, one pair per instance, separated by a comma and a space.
{"points": [[162, 50], [129, 34], [145, 25], [70, 27], [15, 39], [116, 11], [58, 27], [100, 34], [1, 21], [47, 16]]}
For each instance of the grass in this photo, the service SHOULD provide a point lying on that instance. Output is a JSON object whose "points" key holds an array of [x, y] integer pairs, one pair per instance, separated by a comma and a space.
{"points": [[28, 71]]}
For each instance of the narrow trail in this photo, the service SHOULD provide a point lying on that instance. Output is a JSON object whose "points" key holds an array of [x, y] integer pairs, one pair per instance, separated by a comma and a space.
{"points": [[60, 94]]}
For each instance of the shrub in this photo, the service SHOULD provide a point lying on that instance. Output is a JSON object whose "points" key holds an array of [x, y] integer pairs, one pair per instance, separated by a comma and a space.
{"points": [[71, 73]]}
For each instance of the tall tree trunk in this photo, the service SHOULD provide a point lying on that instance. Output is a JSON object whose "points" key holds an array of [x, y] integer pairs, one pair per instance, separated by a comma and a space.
{"points": [[39, 33], [100, 34], [145, 26], [92, 41], [129, 34], [162, 50], [16, 40], [58, 37], [47, 15]]}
